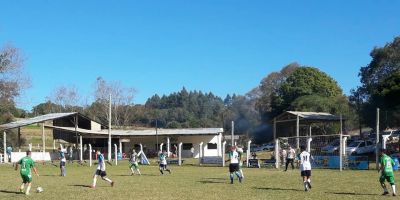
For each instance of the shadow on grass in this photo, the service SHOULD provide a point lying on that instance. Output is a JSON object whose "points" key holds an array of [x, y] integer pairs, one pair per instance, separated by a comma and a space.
{"points": [[10, 192], [136, 175], [84, 186], [352, 193], [212, 182], [48, 175], [224, 179], [279, 189]]}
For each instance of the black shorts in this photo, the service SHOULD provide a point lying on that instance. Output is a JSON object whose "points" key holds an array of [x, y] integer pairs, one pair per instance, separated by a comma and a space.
{"points": [[163, 166], [306, 173], [62, 164], [233, 167], [101, 173]]}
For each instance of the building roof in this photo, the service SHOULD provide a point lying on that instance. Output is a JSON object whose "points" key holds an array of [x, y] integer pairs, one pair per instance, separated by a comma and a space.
{"points": [[34, 120], [145, 132], [309, 117], [315, 116]]}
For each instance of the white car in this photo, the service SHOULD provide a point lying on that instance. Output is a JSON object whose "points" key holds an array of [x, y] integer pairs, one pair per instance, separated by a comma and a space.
{"points": [[360, 147]]}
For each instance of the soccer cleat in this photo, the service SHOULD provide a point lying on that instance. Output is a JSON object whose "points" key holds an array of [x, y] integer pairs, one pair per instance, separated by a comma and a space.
{"points": [[21, 190], [394, 194], [309, 185], [306, 189], [169, 171], [112, 184], [385, 193], [93, 187], [240, 179]]}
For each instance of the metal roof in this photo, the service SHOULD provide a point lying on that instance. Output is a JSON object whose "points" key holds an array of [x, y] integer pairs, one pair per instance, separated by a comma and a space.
{"points": [[145, 132], [315, 116], [34, 120]]}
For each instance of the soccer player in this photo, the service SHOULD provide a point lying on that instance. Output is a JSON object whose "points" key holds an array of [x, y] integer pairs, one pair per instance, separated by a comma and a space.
{"points": [[291, 153], [101, 170], [26, 165], [305, 167], [134, 162], [63, 160], [386, 168], [163, 162], [234, 164]]}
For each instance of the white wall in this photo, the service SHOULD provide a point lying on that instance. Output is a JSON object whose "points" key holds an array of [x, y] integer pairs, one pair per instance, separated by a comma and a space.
{"points": [[148, 142]]}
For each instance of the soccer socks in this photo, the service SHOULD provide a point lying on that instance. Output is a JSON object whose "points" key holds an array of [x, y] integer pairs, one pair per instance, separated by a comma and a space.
{"points": [[309, 183], [161, 171], [241, 173], [21, 189], [94, 181], [28, 189], [138, 171], [107, 179], [394, 189], [231, 177], [63, 171], [305, 185]]}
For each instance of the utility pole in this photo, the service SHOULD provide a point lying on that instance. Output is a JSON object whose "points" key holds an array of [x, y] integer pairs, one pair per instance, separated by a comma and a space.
{"points": [[109, 130]]}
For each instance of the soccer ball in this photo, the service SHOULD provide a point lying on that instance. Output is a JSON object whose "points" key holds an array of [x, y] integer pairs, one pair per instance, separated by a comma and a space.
{"points": [[39, 189]]}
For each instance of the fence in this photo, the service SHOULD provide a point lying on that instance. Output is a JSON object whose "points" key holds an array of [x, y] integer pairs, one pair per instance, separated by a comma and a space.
{"points": [[328, 151]]}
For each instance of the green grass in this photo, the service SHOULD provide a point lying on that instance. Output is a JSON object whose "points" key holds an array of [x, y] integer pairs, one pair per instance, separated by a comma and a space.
{"points": [[191, 182]]}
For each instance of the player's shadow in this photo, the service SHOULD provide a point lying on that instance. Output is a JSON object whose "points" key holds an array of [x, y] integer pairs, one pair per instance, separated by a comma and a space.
{"points": [[9, 192], [352, 193], [48, 175], [278, 189], [213, 181], [84, 186]]}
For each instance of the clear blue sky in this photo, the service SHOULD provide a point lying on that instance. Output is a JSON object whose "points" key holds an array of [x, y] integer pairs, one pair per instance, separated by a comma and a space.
{"points": [[224, 46]]}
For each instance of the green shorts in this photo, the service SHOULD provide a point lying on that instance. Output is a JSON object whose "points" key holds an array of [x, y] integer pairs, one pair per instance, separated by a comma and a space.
{"points": [[26, 178], [388, 177], [134, 165]]}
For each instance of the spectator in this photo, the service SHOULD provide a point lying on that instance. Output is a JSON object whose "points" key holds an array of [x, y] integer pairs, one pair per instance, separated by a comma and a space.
{"points": [[290, 157]]}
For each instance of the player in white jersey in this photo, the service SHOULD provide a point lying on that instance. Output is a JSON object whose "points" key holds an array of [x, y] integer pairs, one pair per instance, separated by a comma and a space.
{"points": [[234, 164], [134, 162], [305, 167], [101, 170], [63, 160], [240, 151], [163, 162]]}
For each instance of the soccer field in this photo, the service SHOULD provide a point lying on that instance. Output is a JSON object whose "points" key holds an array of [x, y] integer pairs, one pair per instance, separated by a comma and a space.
{"points": [[191, 182]]}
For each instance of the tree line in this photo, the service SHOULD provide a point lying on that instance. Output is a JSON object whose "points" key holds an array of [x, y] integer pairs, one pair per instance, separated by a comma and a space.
{"points": [[295, 87]]}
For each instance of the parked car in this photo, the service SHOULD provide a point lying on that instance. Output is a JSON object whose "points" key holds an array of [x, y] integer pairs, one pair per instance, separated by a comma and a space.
{"points": [[360, 147], [334, 146], [268, 146]]}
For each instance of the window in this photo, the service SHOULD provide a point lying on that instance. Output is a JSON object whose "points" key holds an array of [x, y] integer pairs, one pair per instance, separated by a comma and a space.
{"points": [[187, 146], [212, 145]]}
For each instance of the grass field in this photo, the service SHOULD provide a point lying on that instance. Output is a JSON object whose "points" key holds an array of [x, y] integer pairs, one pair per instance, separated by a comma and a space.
{"points": [[191, 182]]}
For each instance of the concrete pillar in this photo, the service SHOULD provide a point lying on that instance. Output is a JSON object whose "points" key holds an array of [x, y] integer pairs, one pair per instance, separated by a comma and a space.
{"points": [[223, 153], [116, 154], [200, 152], [219, 144], [54, 145], [180, 154], [43, 142], [168, 147], [297, 132], [5, 156], [309, 140], [81, 148], [90, 155], [120, 146], [248, 153], [161, 146]]}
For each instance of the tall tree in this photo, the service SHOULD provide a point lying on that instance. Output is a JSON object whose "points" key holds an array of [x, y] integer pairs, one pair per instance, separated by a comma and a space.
{"points": [[379, 85], [12, 79]]}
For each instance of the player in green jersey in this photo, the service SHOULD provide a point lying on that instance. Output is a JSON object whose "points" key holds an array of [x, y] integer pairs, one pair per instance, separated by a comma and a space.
{"points": [[26, 165], [386, 168]]}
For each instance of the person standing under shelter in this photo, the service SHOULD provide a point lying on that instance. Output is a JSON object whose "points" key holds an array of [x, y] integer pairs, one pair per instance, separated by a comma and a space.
{"points": [[291, 154]]}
